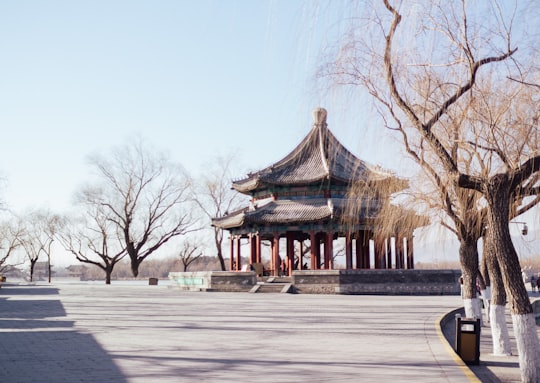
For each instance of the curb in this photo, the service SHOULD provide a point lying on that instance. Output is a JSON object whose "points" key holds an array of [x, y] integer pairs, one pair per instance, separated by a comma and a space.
{"points": [[439, 323]]}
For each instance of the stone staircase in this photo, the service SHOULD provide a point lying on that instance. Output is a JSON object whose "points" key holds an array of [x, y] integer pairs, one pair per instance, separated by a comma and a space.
{"points": [[273, 285]]}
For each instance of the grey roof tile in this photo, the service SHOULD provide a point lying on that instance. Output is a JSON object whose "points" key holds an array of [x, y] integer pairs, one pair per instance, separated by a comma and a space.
{"points": [[318, 157]]}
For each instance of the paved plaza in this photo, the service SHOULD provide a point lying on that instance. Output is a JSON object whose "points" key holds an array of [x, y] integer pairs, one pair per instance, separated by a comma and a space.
{"points": [[139, 334]]}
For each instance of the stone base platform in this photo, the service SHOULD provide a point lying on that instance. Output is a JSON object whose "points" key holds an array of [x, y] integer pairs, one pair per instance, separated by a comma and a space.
{"points": [[214, 280], [359, 282], [377, 282]]}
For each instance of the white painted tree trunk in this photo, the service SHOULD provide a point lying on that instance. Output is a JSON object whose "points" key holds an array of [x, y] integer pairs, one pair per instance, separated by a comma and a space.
{"points": [[499, 331], [477, 307], [473, 308], [486, 298], [528, 347], [469, 305]]}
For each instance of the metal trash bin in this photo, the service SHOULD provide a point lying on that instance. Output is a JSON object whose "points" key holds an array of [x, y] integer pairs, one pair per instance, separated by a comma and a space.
{"points": [[153, 281], [468, 339]]}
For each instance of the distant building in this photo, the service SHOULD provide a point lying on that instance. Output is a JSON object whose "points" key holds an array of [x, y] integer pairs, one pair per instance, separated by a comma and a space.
{"points": [[41, 271], [77, 271]]}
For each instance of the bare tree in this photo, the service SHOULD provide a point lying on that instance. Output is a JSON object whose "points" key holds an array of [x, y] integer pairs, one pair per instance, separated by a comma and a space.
{"points": [[3, 182], [434, 59], [32, 250], [41, 228], [214, 196], [11, 235], [144, 195], [93, 239], [189, 253]]}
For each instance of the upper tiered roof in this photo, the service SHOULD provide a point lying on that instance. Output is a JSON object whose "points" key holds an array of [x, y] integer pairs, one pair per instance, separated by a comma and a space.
{"points": [[320, 156]]}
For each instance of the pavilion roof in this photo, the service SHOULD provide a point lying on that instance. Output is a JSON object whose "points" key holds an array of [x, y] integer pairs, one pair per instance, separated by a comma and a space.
{"points": [[295, 211], [318, 157]]}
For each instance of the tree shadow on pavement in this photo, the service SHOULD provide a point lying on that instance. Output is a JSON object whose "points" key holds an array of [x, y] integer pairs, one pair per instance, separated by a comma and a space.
{"points": [[38, 344]]}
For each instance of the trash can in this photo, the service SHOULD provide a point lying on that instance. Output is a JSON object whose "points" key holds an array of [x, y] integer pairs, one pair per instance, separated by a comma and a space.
{"points": [[468, 339], [153, 281]]}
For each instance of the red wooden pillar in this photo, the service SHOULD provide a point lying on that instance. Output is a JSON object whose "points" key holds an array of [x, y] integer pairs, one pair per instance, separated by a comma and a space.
{"points": [[258, 257], [252, 248], [403, 247], [383, 254], [275, 254], [290, 253], [314, 250], [358, 251], [376, 255], [410, 255], [380, 256], [238, 253], [363, 260], [388, 249], [329, 251], [272, 255], [367, 250], [231, 253], [318, 258], [348, 251], [399, 252]]}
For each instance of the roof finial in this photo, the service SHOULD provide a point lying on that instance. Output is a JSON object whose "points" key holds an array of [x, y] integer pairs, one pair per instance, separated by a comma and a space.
{"points": [[319, 116]]}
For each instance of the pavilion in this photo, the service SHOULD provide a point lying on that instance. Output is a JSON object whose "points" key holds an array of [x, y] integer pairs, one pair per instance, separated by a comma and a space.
{"points": [[320, 192]]}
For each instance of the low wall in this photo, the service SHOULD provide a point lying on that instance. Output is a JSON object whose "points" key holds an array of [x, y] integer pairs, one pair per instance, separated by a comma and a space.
{"points": [[373, 282], [214, 280], [377, 282]]}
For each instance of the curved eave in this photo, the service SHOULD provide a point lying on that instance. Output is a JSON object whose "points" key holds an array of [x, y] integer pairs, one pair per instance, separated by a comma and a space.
{"points": [[230, 221], [246, 185]]}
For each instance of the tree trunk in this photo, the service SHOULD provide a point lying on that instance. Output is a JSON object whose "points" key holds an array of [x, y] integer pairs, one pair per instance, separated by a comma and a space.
{"points": [[49, 265], [498, 199], [468, 257], [134, 264], [485, 284], [485, 295], [219, 241], [32, 264], [499, 329], [108, 272]]}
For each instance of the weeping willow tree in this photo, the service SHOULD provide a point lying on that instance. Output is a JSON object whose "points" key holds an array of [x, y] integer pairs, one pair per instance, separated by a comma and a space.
{"points": [[383, 203], [424, 63]]}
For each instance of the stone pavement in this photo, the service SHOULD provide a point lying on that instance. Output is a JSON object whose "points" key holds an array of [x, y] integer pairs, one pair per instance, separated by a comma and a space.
{"points": [[492, 368], [133, 333]]}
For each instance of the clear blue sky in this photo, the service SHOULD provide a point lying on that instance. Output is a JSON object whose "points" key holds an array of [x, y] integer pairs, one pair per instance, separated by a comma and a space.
{"points": [[195, 78]]}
